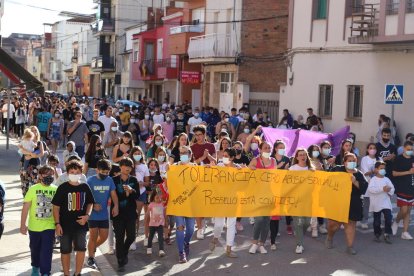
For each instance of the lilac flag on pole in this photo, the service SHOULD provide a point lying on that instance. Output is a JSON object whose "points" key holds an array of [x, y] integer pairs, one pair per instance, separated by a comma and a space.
{"points": [[289, 136], [337, 138], [308, 138]]}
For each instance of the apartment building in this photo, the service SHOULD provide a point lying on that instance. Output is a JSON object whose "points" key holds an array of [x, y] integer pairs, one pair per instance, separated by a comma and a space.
{"points": [[342, 55]]}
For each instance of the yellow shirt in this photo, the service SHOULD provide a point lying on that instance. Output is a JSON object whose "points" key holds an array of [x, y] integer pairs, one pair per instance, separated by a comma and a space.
{"points": [[125, 116]]}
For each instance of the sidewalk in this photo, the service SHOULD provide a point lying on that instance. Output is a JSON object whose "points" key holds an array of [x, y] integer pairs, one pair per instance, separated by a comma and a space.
{"points": [[14, 247]]}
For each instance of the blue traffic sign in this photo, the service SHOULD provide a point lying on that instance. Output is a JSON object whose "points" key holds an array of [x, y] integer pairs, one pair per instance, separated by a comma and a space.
{"points": [[394, 94]]}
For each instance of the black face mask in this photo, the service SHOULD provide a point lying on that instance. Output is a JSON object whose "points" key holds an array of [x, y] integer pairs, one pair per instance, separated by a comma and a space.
{"points": [[98, 145], [102, 176], [238, 151], [48, 180], [385, 140]]}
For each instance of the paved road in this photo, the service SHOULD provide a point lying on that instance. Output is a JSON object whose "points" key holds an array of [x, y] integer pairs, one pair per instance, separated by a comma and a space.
{"points": [[372, 258]]}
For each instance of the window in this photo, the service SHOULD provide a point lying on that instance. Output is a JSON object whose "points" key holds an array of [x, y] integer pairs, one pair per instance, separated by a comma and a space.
{"points": [[392, 6], [135, 56], [410, 6], [226, 82], [355, 93], [321, 9], [325, 100], [354, 6]]}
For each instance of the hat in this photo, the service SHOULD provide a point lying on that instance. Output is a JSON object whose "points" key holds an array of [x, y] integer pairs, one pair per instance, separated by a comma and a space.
{"points": [[156, 126], [71, 143]]}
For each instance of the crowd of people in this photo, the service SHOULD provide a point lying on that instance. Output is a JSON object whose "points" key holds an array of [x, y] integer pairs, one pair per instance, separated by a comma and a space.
{"points": [[112, 178]]}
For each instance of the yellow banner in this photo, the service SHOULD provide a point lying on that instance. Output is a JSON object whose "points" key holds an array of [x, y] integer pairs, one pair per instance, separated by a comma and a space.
{"points": [[197, 191]]}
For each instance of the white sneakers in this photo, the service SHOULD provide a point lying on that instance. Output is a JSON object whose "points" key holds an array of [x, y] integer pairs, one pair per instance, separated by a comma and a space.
{"points": [[394, 228], [406, 236], [149, 251], [161, 253], [364, 225], [253, 249], [111, 250], [273, 247], [145, 242], [323, 230], [133, 246], [299, 249], [200, 234], [251, 220], [262, 250], [314, 232]]}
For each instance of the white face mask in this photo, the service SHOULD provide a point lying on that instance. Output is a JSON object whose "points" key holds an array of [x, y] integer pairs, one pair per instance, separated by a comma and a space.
{"points": [[254, 146], [226, 160], [159, 132], [196, 114], [168, 119], [74, 177], [266, 155], [114, 129], [147, 117], [246, 130], [132, 121]]}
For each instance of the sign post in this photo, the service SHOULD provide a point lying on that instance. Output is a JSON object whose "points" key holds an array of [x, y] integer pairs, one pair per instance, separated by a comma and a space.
{"points": [[394, 94]]}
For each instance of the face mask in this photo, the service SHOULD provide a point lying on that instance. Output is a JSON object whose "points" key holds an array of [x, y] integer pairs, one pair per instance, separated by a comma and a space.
{"points": [[153, 170], [137, 157], [196, 114], [223, 130], [102, 176], [351, 165], [246, 116], [241, 114], [238, 151], [48, 180], [161, 158], [74, 177], [385, 140], [409, 152], [315, 154], [114, 129], [226, 119], [246, 130], [169, 152], [152, 113], [326, 151], [266, 154], [147, 117], [158, 143], [382, 172], [121, 110], [132, 121], [281, 151], [168, 119], [159, 132], [180, 117], [98, 145], [226, 160], [57, 115], [254, 146], [372, 151], [184, 158]]}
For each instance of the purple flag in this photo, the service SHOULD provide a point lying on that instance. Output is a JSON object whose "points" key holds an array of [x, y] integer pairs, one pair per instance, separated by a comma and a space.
{"points": [[307, 138], [337, 138], [289, 136]]}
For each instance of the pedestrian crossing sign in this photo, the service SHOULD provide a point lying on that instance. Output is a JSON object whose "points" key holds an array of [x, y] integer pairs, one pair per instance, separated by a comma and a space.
{"points": [[394, 94]]}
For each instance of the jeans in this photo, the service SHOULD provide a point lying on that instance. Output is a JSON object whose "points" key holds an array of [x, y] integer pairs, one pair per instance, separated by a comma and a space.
{"points": [[122, 228], [188, 224], [231, 229], [274, 229], [19, 129], [301, 223], [41, 250], [377, 222], [80, 150], [261, 228], [365, 211], [160, 231]]}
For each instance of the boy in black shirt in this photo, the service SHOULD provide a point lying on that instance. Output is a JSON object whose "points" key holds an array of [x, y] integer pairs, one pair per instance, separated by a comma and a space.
{"points": [[72, 206], [386, 150]]}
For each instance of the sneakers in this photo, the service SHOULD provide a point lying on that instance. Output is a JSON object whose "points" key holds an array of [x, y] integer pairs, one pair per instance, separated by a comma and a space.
{"points": [[200, 234], [251, 220], [328, 243], [262, 250], [133, 247], [231, 254], [406, 236], [182, 258], [91, 263], [387, 239], [161, 253], [187, 249], [364, 225], [299, 249], [394, 228], [111, 250], [351, 251], [322, 229], [149, 251], [314, 232], [145, 242], [239, 227], [273, 247], [309, 229], [35, 270], [377, 238], [253, 249], [289, 230], [212, 245]]}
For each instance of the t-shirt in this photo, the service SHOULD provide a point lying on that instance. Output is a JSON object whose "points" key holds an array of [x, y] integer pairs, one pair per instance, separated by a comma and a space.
{"points": [[125, 116], [285, 160], [12, 110], [43, 121], [141, 171], [179, 126], [158, 119], [94, 127], [73, 202], [93, 159], [127, 205], [106, 122], [101, 190], [193, 121], [156, 214], [198, 151], [41, 209], [243, 160], [403, 184], [384, 152], [78, 136]]}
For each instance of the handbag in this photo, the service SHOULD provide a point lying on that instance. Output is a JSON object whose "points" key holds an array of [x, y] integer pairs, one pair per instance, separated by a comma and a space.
{"points": [[70, 135]]}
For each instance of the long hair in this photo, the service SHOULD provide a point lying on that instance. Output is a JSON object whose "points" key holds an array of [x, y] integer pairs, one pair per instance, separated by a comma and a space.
{"points": [[295, 158], [134, 150], [177, 141], [90, 153]]}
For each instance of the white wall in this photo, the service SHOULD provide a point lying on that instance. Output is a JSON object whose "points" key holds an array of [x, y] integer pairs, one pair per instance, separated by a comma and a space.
{"points": [[391, 25], [409, 23]]}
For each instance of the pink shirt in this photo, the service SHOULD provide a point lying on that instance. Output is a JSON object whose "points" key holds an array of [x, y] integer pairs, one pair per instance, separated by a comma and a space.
{"points": [[157, 214], [168, 131]]}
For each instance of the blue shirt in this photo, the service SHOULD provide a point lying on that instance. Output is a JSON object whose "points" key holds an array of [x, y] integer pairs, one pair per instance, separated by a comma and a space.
{"points": [[101, 190], [43, 120], [234, 120]]}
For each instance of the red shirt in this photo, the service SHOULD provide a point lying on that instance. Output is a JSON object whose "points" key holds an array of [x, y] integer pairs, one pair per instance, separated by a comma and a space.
{"points": [[198, 151]]}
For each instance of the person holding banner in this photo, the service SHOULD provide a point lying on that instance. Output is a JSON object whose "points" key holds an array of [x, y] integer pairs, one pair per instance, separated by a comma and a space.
{"points": [[359, 187], [326, 158], [346, 146], [301, 162], [228, 156], [261, 224], [251, 147]]}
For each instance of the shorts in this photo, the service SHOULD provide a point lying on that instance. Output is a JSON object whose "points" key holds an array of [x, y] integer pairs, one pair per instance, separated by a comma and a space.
{"points": [[78, 239], [404, 200], [143, 197], [55, 136], [102, 224]]}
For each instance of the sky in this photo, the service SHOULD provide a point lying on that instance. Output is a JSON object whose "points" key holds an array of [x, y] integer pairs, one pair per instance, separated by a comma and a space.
{"points": [[20, 18]]}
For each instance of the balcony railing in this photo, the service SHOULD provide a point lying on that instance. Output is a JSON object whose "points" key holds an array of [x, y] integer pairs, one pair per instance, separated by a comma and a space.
{"points": [[392, 7], [103, 63], [410, 6], [104, 25], [187, 29], [212, 46], [364, 24], [167, 63]]}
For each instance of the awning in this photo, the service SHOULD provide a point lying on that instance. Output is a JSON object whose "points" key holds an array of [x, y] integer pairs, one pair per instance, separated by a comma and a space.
{"points": [[18, 74]]}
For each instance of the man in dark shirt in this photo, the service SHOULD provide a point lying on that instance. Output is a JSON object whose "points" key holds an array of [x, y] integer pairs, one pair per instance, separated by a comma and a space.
{"points": [[386, 150], [72, 206], [312, 120], [403, 173], [95, 126], [180, 123], [260, 121]]}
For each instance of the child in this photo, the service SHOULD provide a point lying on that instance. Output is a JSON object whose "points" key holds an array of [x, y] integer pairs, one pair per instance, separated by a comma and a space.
{"points": [[53, 161], [70, 151], [28, 145], [156, 218], [380, 190]]}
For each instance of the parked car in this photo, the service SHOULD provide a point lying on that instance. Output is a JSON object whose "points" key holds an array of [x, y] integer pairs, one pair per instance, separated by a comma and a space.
{"points": [[130, 103]]}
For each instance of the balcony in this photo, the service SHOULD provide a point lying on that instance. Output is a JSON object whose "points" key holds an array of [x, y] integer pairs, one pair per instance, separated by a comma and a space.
{"points": [[212, 48], [103, 64], [364, 24], [104, 26], [180, 38], [152, 69]]}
